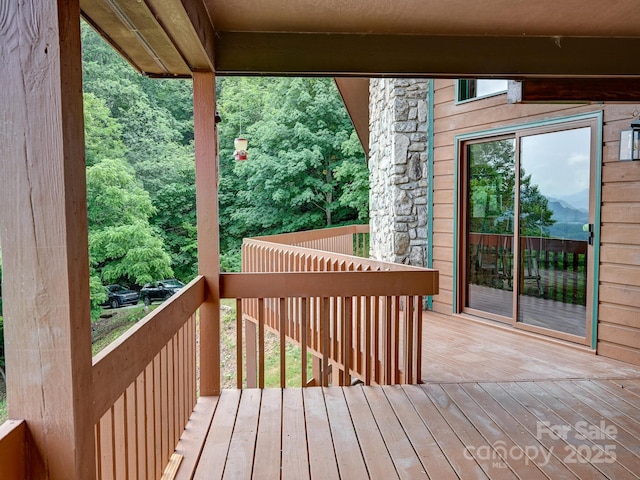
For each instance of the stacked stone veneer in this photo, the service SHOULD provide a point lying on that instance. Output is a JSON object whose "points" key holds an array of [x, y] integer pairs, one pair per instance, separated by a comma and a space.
{"points": [[398, 166]]}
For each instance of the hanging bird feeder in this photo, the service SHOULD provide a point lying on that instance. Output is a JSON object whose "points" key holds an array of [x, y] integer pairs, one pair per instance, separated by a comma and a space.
{"points": [[240, 145]]}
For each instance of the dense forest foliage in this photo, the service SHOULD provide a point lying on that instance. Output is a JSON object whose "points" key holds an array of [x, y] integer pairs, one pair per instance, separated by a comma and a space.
{"points": [[305, 170]]}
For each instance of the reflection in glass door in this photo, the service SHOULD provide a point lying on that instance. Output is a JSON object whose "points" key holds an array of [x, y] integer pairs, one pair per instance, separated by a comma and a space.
{"points": [[491, 203], [527, 256], [554, 210]]}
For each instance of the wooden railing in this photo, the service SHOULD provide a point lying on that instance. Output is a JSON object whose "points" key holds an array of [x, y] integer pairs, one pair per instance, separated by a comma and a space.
{"points": [[356, 317], [13, 446], [362, 320], [348, 240], [552, 268], [144, 389]]}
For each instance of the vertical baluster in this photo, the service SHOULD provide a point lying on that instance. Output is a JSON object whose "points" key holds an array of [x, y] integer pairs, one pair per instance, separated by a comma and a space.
{"points": [[120, 437], [170, 419], [141, 428], [408, 344], [346, 342], [239, 354], [261, 343], [303, 337], [418, 341], [131, 436], [388, 359], [565, 269], [396, 340], [367, 340], [283, 343], [376, 339], [324, 333]]}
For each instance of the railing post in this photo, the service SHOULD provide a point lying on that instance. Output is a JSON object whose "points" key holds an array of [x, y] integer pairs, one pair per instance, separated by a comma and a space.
{"points": [[206, 147]]}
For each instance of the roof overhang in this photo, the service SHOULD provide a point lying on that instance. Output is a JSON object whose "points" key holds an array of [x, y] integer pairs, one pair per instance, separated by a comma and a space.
{"points": [[457, 38]]}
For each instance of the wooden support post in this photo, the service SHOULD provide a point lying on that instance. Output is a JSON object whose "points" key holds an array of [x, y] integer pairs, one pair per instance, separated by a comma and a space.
{"points": [[206, 140], [43, 210]]}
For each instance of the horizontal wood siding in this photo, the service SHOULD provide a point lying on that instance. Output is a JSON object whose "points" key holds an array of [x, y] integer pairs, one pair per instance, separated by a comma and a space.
{"points": [[619, 309]]}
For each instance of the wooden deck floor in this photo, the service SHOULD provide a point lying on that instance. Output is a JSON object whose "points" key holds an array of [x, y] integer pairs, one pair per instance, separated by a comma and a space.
{"points": [[497, 405], [455, 349]]}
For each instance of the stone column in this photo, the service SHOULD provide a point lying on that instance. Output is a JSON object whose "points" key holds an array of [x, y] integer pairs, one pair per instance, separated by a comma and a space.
{"points": [[398, 165]]}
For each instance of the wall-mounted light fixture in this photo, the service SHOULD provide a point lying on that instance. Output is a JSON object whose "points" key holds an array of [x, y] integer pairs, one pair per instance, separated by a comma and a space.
{"points": [[630, 142]]}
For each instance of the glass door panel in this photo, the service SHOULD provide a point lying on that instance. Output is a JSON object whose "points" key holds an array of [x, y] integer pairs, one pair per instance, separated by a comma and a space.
{"points": [[554, 216], [490, 227]]}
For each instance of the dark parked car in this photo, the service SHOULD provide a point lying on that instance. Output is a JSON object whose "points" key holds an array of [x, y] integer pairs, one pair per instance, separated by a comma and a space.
{"points": [[119, 296], [160, 290]]}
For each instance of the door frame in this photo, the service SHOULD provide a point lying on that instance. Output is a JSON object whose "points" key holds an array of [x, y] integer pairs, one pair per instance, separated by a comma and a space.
{"points": [[591, 119]]}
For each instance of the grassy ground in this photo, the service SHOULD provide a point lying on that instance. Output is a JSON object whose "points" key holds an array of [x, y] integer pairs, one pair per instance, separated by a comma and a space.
{"points": [[293, 363], [114, 323]]}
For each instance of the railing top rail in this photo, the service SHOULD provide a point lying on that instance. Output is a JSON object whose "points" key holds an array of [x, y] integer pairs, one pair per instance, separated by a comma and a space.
{"points": [[533, 243], [308, 235], [347, 259], [328, 284], [119, 364]]}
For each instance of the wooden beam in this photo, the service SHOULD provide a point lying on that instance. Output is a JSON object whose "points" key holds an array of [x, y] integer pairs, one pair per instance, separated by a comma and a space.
{"points": [[203, 28], [425, 55], [575, 90], [328, 284], [206, 145], [44, 235], [355, 95]]}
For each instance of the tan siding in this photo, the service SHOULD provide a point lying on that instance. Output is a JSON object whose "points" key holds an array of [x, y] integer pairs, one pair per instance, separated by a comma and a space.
{"points": [[619, 309], [618, 314], [620, 274]]}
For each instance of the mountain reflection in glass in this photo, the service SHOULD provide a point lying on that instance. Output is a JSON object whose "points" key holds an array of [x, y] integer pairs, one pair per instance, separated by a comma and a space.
{"points": [[490, 200], [554, 208]]}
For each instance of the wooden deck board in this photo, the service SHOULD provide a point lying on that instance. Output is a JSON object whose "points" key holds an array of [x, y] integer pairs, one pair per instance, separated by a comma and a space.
{"points": [[295, 462], [321, 454], [407, 463], [425, 446], [374, 451], [214, 453], [268, 453], [243, 441], [490, 397], [348, 455]]}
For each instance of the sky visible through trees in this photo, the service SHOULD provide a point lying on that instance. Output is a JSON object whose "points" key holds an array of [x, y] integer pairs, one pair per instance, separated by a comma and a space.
{"points": [[306, 168]]}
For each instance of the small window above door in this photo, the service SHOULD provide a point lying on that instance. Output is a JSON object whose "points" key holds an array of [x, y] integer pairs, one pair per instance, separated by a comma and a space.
{"points": [[474, 89]]}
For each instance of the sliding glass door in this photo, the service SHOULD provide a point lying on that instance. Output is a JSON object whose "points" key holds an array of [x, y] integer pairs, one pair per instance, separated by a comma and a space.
{"points": [[527, 228]]}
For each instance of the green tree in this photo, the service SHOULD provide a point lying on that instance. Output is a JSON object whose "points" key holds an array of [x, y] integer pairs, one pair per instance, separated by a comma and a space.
{"points": [[103, 133], [300, 138], [154, 126], [492, 188], [123, 246]]}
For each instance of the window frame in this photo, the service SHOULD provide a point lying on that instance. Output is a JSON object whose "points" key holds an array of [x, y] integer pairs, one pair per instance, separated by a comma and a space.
{"points": [[461, 141], [466, 91]]}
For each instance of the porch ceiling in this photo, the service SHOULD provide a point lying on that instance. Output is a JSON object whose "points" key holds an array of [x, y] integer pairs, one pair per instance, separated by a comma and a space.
{"points": [[373, 37]]}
